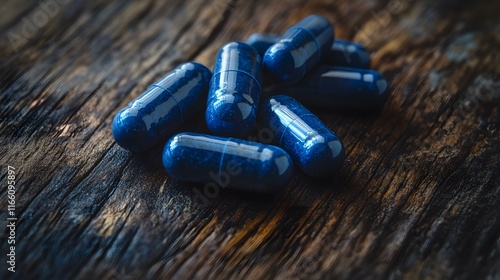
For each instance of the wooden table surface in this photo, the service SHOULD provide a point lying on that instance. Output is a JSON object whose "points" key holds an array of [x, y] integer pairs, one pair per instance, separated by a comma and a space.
{"points": [[418, 196]]}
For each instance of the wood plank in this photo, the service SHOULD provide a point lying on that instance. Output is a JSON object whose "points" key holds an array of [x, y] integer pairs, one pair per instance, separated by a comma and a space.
{"points": [[417, 197]]}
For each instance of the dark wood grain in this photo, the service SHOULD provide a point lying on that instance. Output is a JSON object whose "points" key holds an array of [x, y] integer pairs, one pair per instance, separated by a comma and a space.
{"points": [[418, 196]]}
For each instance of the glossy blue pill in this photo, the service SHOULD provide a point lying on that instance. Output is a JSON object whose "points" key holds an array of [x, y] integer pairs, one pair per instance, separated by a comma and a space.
{"points": [[341, 53], [162, 108], [311, 144], [227, 162], [347, 54], [341, 88], [234, 91], [262, 42], [299, 49]]}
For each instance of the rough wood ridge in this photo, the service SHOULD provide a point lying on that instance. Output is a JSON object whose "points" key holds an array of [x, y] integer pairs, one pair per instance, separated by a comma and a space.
{"points": [[418, 196]]}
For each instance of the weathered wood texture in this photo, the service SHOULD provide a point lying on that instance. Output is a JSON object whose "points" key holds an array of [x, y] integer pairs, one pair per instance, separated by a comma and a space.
{"points": [[418, 196]]}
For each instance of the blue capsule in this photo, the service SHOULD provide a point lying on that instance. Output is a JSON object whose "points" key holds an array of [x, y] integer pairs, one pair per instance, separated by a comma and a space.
{"points": [[262, 42], [347, 54], [234, 91], [299, 49], [341, 88], [341, 53], [310, 143], [162, 108], [227, 162]]}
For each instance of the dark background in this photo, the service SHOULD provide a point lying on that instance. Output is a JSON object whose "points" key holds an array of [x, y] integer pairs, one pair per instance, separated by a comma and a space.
{"points": [[417, 197]]}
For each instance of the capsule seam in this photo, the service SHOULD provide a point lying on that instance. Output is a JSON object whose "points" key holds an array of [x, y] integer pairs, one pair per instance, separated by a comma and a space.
{"points": [[293, 121], [171, 95], [313, 37], [241, 71]]}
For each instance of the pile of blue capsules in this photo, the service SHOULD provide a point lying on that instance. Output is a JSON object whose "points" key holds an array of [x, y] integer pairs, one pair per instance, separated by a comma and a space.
{"points": [[311, 69]]}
